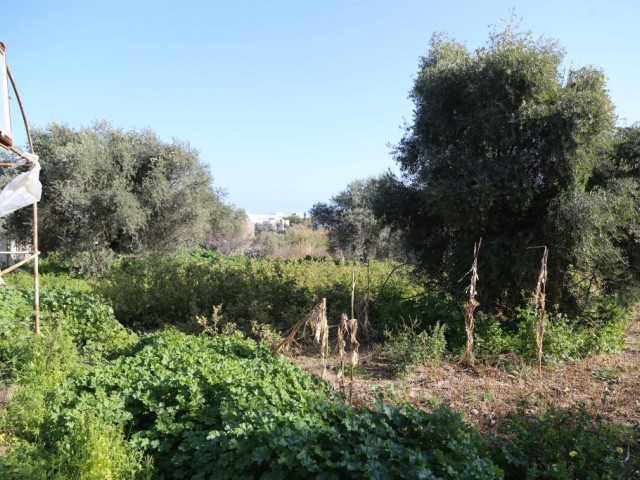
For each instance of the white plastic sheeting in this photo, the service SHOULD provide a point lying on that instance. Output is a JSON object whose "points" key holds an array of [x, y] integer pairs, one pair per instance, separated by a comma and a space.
{"points": [[22, 191]]}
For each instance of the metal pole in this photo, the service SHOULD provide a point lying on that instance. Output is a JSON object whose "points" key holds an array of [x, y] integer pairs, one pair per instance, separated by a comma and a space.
{"points": [[36, 252], [36, 283]]}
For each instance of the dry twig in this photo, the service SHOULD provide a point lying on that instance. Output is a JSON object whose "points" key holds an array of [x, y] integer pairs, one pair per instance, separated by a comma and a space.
{"points": [[343, 331]]}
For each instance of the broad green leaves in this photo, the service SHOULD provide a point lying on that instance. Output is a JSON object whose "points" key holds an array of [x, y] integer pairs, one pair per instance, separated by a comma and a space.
{"points": [[224, 407]]}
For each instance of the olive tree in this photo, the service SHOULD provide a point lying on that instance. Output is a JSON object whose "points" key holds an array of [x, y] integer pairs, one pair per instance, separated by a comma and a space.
{"points": [[354, 231], [106, 191], [507, 145]]}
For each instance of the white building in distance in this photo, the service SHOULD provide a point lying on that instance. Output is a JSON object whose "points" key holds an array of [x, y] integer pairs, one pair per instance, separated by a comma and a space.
{"points": [[274, 221]]}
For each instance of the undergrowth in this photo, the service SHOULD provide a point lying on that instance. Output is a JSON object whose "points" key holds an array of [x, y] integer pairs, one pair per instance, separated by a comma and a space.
{"points": [[566, 340], [175, 289], [40, 370], [566, 443], [90, 399], [410, 347]]}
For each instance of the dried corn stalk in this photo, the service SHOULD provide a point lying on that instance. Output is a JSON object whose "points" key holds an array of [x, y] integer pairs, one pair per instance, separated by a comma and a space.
{"points": [[362, 308], [323, 335], [353, 359], [539, 301], [343, 331], [472, 304], [316, 320]]}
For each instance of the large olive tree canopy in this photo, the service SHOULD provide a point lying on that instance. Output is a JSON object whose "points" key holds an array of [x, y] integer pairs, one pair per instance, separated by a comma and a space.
{"points": [[506, 144], [106, 189]]}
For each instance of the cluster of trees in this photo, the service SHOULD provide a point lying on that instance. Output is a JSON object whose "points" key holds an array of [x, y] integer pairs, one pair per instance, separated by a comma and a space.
{"points": [[108, 191], [354, 230], [507, 145]]}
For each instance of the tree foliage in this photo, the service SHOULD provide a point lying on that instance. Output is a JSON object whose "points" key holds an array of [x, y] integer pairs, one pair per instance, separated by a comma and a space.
{"points": [[354, 230], [108, 190], [507, 146], [231, 233]]}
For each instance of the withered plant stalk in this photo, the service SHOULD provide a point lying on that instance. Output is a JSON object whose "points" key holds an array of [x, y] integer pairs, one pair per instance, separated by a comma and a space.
{"points": [[353, 359], [343, 331], [539, 301], [472, 304], [316, 320], [353, 293]]}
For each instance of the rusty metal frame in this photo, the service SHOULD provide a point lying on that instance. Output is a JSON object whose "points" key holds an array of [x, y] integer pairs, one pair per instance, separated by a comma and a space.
{"points": [[35, 253]]}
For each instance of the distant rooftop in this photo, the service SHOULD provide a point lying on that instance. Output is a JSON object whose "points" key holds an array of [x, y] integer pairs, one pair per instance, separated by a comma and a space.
{"points": [[270, 217]]}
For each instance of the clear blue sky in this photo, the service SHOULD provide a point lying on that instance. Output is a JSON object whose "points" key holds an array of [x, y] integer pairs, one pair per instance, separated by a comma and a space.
{"points": [[287, 101]]}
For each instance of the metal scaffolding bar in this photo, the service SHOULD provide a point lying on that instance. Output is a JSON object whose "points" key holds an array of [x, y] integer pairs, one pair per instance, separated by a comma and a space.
{"points": [[36, 253]]}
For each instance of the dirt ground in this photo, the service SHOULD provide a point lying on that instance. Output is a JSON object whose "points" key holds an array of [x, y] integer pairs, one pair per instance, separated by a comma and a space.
{"points": [[485, 393]]}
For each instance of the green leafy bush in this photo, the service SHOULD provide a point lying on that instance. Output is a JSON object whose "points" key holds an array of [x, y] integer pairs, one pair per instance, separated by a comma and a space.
{"points": [[41, 369], [23, 460], [88, 318], [95, 449], [492, 336], [566, 443], [14, 304], [51, 276], [409, 347], [15, 330], [223, 406], [91, 450], [600, 330], [174, 289]]}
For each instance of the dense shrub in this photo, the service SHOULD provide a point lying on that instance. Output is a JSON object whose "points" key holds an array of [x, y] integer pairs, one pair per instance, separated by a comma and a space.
{"points": [[16, 331], [409, 347], [174, 289], [14, 305], [40, 369], [566, 443], [53, 276], [38, 366], [88, 318], [91, 450], [278, 292]]}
